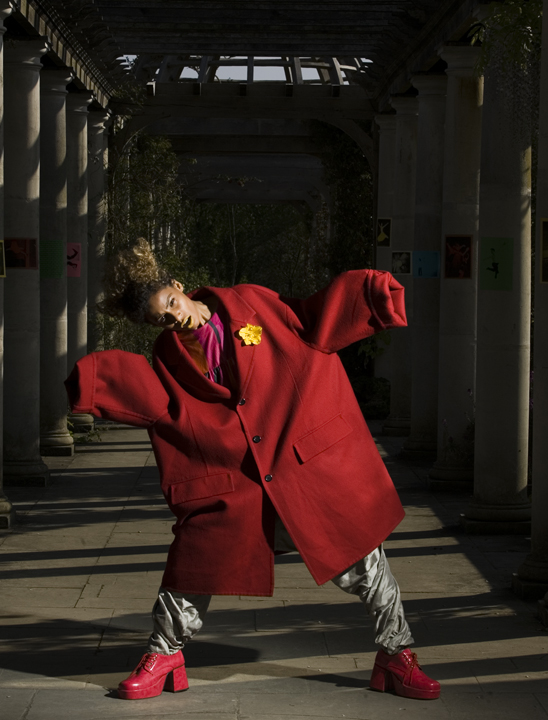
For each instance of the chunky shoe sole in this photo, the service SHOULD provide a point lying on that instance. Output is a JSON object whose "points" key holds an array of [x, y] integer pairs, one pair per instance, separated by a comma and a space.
{"points": [[174, 681], [383, 680]]}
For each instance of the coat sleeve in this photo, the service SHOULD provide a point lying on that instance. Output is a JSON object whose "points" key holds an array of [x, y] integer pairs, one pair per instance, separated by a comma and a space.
{"points": [[355, 305], [117, 385]]}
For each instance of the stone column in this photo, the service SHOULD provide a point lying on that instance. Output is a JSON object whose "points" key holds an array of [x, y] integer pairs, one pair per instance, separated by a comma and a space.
{"points": [[97, 168], [55, 438], [426, 282], [6, 508], [385, 204], [403, 220], [22, 462], [532, 576], [500, 503], [458, 283], [77, 252]]}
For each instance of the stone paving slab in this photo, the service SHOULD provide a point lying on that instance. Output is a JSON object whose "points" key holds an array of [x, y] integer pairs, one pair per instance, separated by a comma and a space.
{"points": [[82, 569]]}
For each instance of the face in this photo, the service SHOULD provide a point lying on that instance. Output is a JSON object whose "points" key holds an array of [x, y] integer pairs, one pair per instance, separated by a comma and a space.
{"points": [[171, 308]]}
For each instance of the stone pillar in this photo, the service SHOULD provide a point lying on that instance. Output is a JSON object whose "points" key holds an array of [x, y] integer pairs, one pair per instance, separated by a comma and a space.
{"points": [[97, 168], [22, 462], [403, 220], [458, 283], [500, 503], [532, 576], [6, 508], [77, 252], [426, 260], [385, 204], [55, 438]]}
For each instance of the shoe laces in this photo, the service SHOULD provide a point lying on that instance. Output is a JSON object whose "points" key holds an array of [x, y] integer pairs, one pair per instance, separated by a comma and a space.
{"points": [[148, 661], [411, 659]]}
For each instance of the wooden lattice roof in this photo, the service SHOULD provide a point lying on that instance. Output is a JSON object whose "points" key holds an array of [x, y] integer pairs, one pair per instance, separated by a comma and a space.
{"points": [[396, 36]]}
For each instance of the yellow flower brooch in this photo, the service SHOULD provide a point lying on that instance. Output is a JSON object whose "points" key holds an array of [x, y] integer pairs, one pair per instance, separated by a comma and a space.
{"points": [[251, 334]]}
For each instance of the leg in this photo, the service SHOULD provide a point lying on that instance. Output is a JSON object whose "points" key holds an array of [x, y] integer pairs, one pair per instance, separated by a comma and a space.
{"points": [[396, 667], [371, 580], [177, 618]]}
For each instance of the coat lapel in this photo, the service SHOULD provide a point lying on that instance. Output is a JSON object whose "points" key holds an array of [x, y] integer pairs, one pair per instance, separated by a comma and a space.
{"points": [[187, 373]]}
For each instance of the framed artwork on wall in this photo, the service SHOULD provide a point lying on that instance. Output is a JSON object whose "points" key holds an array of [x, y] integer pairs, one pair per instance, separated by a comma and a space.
{"points": [[401, 262], [458, 257], [384, 227], [21, 253]]}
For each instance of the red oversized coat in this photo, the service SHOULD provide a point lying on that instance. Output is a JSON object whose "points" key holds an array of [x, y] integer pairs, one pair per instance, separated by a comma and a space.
{"points": [[288, 439]]}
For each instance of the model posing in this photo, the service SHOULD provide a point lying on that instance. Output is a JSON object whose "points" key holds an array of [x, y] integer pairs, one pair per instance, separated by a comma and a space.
{"points": [[261, 446]]}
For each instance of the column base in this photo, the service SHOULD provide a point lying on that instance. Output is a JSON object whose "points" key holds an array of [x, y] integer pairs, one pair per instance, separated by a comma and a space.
{"points": [[57, 444], [7, 512], [81, 422], [396, 427], [534, 568], [528, 589], [497, 520], [543, 611], [451, 473], [25, 474], [417, 448], [464, 487], [489, 512]]}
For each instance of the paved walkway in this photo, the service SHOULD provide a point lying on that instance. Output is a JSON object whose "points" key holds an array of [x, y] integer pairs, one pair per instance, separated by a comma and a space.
{"points": [[81, 570]]}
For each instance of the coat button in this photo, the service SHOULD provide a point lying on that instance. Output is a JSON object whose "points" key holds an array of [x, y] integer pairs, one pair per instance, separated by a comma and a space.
{"points": [[267, 478], [257, 439], [241, 402]]}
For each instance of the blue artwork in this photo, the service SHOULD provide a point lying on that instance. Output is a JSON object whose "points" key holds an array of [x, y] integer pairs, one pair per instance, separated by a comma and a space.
{"points": [[426, 264]]}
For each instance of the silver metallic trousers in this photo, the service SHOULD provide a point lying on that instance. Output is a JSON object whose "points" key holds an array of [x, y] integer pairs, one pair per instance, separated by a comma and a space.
{"points": [[178, 617]]}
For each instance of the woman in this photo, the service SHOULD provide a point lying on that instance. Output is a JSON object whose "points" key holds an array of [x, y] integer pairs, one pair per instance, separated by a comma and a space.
{"points": [[261, 447]]}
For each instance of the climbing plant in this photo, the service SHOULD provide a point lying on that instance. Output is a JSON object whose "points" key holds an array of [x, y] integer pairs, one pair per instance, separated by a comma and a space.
{"points": [[350, 182], [510, 34]]}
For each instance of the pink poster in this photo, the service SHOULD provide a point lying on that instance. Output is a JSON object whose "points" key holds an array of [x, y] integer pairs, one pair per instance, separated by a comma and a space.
{"points": [[74, 259]]}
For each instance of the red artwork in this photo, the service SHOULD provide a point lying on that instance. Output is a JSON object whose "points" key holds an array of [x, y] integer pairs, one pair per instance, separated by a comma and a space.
{"points": [[21, 253], [74, 259], [458, 256]]}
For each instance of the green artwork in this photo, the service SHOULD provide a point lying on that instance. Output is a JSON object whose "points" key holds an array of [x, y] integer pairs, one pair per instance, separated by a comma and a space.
{"points": [[496, 263], [52, 259]]}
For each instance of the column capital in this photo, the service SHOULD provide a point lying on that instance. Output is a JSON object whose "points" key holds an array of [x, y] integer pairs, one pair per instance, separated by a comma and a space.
{"points": [[430, 84], [405, 105], [6, 8], [461, 59], [78, 102], [25, 52], [98, 121], [386, 123], [54, 82]]}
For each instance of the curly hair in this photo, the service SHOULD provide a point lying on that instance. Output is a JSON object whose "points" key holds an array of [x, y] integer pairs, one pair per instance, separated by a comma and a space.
{"points": [[131, 278]]}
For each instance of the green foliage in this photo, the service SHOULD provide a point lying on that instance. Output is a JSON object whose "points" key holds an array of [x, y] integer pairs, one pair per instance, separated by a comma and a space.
{"points": [[90, 436], [269, 245], [373, 346], [511, 33], [350, 181], [145, 197], [284, 247]]}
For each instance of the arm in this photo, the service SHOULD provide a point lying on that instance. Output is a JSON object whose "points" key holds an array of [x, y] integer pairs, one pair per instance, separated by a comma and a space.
{"points": [[117, 385], [353, 306]]}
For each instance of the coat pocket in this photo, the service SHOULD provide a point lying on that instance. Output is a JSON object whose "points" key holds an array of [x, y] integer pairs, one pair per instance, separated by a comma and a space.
{"points": [[200, 488], [322, 438]]}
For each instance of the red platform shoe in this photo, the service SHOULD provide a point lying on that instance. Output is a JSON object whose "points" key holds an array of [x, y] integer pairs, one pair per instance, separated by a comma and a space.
{"points": [[402, 674], [150, 676]]}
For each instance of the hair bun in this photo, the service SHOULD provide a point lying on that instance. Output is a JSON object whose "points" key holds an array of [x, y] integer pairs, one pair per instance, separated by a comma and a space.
{"points": [[130, 274]]}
